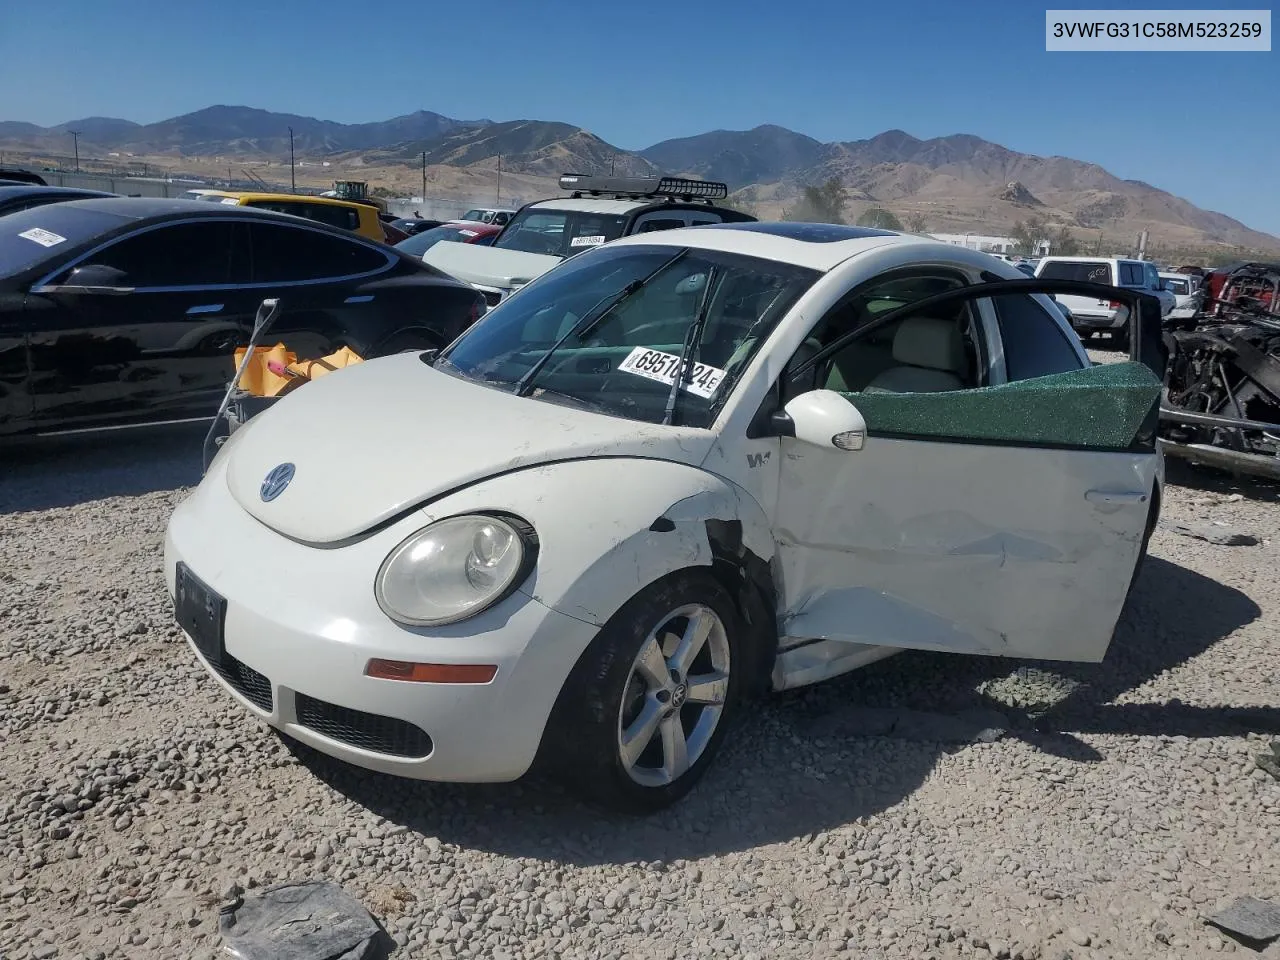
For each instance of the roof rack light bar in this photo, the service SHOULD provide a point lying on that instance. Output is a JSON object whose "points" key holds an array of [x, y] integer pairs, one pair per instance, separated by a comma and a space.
{"points": [[682, 187]]}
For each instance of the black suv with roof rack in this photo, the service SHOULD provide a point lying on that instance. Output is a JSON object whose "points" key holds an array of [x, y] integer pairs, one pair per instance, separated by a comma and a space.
{"points": [[597, 210]]}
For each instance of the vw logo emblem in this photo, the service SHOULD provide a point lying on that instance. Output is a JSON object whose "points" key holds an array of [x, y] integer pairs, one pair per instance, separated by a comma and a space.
{"points": [[274, 483]]}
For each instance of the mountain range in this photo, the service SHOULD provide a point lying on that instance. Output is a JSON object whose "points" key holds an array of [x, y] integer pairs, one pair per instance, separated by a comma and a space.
{"points": [[953, 183]]}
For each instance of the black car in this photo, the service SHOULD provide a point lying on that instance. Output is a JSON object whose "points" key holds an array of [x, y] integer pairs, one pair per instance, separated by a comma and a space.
{"points": [[15, 175], [128, 311], [415, 225], [24, 196]]}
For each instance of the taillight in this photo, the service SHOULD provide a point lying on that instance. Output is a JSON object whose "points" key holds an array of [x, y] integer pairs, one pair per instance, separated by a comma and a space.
{"points": [[1113, 304]]}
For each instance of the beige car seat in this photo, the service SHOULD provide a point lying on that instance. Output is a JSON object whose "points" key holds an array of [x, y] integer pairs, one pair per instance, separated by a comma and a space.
{"points": [[930, 357]]}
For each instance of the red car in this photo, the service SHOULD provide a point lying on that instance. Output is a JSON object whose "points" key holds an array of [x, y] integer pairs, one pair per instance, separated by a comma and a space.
{"points": [[459, 231]]}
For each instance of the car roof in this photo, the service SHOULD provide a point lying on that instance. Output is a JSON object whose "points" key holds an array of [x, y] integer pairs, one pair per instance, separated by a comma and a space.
{"points": [[1066, 259], [157, 208], [34, 189], [256, 195], [819, 246], [591, 205]]}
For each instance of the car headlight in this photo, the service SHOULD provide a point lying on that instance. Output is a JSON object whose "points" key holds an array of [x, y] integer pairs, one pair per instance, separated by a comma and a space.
{"points": [[454, 569]]}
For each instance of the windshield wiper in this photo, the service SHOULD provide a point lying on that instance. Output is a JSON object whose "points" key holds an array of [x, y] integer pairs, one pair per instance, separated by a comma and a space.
{"points": [[692, 337], [590, 320]]}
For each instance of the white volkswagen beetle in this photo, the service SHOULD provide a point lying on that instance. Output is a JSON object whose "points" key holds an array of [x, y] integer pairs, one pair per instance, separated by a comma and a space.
{"points": [[673, 472]]}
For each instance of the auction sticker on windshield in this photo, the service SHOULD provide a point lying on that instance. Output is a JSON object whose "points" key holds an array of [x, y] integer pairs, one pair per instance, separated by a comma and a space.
{"points": [[657, 365], [46, 238]]}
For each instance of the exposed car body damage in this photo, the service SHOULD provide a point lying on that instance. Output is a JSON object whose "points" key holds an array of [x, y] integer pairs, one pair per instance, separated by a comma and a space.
{"points": [[1221, 403]]}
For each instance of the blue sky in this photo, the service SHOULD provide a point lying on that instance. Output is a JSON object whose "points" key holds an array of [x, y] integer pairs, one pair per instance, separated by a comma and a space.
{"points": [[638, 73]]}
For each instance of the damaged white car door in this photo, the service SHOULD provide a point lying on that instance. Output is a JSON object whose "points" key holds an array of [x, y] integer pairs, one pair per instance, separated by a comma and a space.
{"points": [[981, 513]]}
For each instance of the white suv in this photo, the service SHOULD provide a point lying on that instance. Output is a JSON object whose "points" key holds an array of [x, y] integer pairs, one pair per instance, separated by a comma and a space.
{"points": [[598, 210], [1089, 315]]}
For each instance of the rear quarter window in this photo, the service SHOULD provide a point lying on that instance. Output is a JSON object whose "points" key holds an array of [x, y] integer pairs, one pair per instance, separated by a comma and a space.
{"points": [[1077, 270], [1131, 275]]}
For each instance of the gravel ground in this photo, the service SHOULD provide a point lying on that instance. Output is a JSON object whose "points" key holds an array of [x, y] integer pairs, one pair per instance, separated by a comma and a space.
{"points": [[1123, 805]]}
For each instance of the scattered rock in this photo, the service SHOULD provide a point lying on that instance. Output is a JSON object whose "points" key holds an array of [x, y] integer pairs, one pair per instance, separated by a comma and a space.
{"points": [[1221, 535], [1247, 917]]}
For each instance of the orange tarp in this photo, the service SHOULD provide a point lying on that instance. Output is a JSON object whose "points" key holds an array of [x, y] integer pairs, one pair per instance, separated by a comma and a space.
{"points": [[258, 378]]}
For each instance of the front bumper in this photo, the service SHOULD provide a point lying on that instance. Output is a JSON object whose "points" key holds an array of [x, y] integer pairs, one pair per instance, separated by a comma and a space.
{"points": [[302, 624]]}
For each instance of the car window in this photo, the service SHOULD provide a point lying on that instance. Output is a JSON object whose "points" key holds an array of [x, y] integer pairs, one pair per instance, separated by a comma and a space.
{"points": [[1035, 345], [1153, 276], [624, 364], [1131, 274], [177, 255], [659, 223], [1083, 271], [288, 254], [940, 348], [28, 237], [560, 233], [1177, 284], [343, 217], [420, 243]]}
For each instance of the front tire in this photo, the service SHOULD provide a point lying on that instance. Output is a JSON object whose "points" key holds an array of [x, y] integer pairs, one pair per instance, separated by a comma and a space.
{"points": [[646, 707]]}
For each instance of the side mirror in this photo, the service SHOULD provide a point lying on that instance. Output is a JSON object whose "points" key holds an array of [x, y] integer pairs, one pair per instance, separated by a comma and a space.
{"points": [[823, 418], [97, 275], [91, 278]]}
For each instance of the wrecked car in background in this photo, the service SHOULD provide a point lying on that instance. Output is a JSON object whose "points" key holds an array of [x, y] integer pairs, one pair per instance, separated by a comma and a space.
{"points": [[673, 472], [1221, 404]]}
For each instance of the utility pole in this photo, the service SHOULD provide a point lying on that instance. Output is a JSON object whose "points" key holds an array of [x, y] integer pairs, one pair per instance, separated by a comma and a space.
{"points": [[611, 162], [498, 201], [424, 176], [75, 139], [293, 177]]}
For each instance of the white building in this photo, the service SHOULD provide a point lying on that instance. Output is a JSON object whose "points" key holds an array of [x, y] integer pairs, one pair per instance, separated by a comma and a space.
{"points": [[976, 241]]}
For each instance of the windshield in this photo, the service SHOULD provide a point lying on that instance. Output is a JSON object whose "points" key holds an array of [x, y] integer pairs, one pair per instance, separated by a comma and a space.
{"points": [[559, 233], [1076, 270], [420, 243], [477, 214], [1177, 285], [50, 230], [624, 363]]}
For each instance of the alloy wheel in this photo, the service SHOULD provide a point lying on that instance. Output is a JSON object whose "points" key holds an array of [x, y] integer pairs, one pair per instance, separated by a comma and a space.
{"points": [[675, 696]]}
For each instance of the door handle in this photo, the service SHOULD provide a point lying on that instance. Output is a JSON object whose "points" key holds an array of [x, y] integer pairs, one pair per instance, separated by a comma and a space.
{"points": [[204, 308], [1114, 498]]}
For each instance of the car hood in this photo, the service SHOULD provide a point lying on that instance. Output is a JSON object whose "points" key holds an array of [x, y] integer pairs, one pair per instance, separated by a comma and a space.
{"points": [[488, 266], [373, 440]]}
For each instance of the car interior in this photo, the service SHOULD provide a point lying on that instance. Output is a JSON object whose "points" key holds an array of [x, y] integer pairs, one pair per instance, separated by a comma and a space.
{"points": [[914, 354]]}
